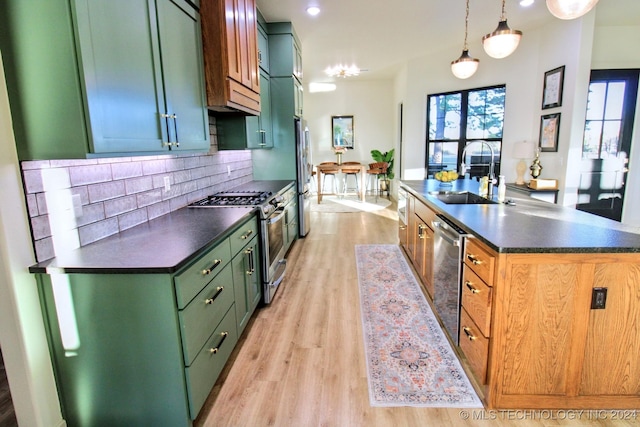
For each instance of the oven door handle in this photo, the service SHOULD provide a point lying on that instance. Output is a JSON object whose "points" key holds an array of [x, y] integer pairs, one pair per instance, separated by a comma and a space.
{"points": [[280, 214]]}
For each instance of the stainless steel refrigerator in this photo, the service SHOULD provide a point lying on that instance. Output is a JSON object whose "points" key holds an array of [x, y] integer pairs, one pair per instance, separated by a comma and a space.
{"points": [[304, 166]]}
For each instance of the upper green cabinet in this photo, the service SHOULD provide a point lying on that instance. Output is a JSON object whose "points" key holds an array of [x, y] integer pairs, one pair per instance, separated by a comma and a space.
{"points": [[239, 132], [284, 51], [90, 78], [263, 44]]}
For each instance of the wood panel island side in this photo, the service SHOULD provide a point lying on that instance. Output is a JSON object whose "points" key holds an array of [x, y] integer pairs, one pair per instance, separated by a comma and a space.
{"points": [[535, 329]]}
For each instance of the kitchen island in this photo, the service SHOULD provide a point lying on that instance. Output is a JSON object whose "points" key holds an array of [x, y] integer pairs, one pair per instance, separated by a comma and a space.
{"points": [[550, 314]]}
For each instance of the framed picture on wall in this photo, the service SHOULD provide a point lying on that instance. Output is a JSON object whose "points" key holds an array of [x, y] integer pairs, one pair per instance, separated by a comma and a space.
{"points": [[549, 130], [342, 131], [552, 92]]}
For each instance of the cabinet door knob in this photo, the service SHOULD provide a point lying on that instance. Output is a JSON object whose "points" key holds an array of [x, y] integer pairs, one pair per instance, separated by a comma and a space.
{"points": [[471, 288], [217, 348], [467, 331], [219, 290]]}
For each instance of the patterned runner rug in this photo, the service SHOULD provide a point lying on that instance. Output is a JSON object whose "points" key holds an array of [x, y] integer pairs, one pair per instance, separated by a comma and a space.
{"points": [[409, 360]]}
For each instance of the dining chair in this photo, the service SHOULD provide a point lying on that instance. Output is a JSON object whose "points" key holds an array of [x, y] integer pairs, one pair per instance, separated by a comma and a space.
{"points": [[329, 169], [376, 171], [350, 172]]}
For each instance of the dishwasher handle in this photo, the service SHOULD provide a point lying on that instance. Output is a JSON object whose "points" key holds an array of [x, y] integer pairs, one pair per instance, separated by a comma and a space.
{"points": [[439, 230]]}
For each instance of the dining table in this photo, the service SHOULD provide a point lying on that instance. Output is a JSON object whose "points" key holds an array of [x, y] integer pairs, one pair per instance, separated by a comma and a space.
{"points": [[332, 167]]}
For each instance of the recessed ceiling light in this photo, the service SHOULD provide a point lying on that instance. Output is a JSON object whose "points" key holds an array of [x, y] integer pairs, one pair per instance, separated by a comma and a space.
{"points": [[313, 10], [526, 3]]}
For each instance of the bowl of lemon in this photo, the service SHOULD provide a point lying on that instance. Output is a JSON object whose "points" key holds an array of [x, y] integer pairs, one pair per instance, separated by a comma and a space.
{"points": [[446, 177]]}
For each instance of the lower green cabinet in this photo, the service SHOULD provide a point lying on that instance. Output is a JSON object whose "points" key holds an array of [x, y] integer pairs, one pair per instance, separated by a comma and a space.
{"points": [[146, 349]]}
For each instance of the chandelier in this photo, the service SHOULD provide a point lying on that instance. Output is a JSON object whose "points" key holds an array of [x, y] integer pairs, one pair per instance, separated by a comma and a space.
{"points": [[465, 66], [342, 71], [570, 9], [503, 41]]}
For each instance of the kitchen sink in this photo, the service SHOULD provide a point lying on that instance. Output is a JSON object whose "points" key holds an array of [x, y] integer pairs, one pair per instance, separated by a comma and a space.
{"points": [[460, 198]]}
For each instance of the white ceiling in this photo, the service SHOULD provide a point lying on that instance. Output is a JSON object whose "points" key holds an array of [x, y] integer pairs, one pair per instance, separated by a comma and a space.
{"points": [[380, 35]]}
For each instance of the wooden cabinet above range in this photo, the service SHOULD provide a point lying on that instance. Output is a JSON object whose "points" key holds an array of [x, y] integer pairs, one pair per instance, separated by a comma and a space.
{"points": [[229, 39]]}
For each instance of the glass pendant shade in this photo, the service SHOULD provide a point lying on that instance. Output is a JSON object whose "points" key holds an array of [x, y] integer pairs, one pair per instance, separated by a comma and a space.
{"points": [[465, 66], [570, 9], [502, 42]]}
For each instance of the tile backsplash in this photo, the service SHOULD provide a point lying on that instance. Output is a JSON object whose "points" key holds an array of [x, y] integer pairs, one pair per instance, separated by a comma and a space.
{"points": [[72, 203]]}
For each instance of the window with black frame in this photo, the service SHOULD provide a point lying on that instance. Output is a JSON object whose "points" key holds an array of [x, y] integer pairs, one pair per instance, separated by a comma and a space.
{"points": [[473, 117]]}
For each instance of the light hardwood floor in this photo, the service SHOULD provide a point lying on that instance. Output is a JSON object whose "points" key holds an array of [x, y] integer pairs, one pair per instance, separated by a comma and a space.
{"points": [[300, 362]]}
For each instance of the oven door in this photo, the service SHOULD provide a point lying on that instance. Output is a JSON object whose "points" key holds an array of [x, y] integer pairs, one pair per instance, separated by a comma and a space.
{"points": [[275, 264]]}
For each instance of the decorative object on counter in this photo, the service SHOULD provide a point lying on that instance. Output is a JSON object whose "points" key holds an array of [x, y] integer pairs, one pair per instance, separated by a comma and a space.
{"points": [[465, 66], [549, 131], [553, 84], [339, 152], [503, 41], [543, 184], [342, 131], [446, 177], [502, 189], [570, 9], [536, 167], [409, 360], [522, 150]]}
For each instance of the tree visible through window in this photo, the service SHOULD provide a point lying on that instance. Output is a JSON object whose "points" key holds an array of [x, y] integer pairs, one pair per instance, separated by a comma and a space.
{"points": [[457, 119]]}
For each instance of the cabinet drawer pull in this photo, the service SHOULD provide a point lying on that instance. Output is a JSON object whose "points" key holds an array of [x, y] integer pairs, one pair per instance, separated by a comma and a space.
{"points": [[473, 259], [217, 348], [219, 290], [246, 235], [210, 269], [471, 288], [249, 254], [467, 331]]}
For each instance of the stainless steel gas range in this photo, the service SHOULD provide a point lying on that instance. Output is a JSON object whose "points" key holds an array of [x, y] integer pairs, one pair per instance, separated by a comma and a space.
{"points": [[272, 198]]}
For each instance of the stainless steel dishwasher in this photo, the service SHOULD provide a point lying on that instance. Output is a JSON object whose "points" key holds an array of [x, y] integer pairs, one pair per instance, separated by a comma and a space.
{"points": [[448, 250]]}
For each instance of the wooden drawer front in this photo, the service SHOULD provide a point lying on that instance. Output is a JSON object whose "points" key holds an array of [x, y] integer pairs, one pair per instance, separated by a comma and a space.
{"points": [[243, 235], [474, 346], [191, 281], [204, 371], [204, 313], [480, 261], [425, 213], [476, 299]]}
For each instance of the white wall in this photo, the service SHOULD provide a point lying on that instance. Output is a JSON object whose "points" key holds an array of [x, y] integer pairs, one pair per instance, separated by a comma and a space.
{"points": [[22, 338], [371, 105]]}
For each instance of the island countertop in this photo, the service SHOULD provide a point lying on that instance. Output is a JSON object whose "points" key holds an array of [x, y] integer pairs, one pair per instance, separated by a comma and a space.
{"points": [[530, 226]]}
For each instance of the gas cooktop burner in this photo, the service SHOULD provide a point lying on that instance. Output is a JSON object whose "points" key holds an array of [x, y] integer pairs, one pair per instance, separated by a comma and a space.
{"points": [[234, 198]]}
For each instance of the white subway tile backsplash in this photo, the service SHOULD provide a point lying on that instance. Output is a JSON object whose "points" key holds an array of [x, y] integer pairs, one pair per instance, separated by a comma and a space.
{"points": [[91, 174], [87, 200], [120, 205], [126, 170], [106, 191], [98, 230], [131, 219]]}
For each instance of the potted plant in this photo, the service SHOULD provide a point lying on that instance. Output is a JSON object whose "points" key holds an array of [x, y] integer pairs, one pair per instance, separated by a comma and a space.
{"points": [[386, 157]]}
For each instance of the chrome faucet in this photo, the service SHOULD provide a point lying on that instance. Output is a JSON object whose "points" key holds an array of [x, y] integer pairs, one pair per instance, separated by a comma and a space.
{"points": [[492, 176]]}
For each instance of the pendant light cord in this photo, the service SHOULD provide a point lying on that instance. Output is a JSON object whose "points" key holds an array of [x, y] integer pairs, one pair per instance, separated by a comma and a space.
{"points": [[503, 11], [466, 26]]}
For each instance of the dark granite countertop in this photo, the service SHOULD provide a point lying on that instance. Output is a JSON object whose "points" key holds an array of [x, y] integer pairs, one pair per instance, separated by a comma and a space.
{"points": [[531, 225], [162, 245]]}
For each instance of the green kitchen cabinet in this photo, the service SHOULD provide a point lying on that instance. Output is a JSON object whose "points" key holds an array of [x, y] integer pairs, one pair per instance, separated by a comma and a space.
{"points": [[147, 348], [246, 272], [285, 53], [88, 78], [263, 44], [237, 132]]}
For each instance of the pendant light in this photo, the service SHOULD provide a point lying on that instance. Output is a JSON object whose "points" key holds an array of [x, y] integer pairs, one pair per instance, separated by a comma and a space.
{"points": [[503, 41], [570, 9], [465, 66]]}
